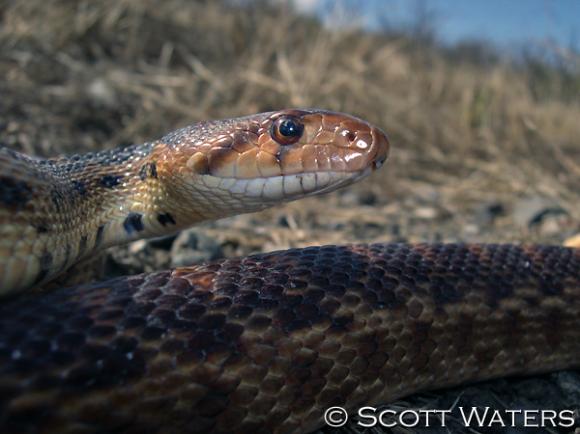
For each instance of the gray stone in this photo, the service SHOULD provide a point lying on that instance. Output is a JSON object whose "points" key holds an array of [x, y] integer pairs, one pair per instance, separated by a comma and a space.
{"points": [[193, 247], [532, 211]]}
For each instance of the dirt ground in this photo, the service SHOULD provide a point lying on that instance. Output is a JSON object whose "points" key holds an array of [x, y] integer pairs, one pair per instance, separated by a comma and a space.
{"points": [[480, 153]]}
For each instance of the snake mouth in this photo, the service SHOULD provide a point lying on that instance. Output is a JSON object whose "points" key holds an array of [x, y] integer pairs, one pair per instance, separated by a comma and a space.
{"points": [[285, 187]]}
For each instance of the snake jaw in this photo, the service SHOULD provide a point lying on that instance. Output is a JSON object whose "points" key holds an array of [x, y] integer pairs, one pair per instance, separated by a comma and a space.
{"points": [[261, 192]]}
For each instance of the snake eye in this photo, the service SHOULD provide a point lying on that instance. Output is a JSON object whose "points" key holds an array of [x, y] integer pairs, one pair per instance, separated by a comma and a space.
{"points": [[287, 130]]}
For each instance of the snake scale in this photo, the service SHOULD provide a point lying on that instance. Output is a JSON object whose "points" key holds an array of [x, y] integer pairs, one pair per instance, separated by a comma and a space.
{"points": [[264, 343]]}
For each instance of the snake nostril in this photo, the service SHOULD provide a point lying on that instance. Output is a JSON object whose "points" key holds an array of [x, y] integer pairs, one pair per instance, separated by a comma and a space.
{"points": [[350, 136]]}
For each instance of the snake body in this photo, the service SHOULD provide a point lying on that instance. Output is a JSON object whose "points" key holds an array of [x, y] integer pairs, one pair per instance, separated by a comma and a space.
{"points": [[268, 342]]}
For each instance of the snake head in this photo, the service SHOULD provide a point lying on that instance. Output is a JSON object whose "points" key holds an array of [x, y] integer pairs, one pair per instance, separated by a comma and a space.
{"points": [[253, 162]]}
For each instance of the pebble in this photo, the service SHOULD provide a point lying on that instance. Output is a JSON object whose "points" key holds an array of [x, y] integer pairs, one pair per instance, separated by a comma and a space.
{"points": [[487, 213], [532, 211], [192, 247], [425, 212]]}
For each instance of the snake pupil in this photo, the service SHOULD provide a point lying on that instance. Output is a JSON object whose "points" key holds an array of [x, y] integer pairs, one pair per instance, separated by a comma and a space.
{"points": [[287, 130]]}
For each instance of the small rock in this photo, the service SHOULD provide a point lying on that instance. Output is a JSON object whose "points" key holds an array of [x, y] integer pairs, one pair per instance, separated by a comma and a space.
{"points": [[486, 214], [283, 221], [573, 241], [192, 247], [532, 211], [101, 91], [550, 226], [471, 229], [347, 198], [425, 212], [367, 198], [137, 246]]}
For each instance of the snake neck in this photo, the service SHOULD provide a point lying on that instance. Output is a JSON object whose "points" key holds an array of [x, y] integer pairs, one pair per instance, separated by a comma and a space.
{"points": [[72, 208], [97, 200], [123, 195]]}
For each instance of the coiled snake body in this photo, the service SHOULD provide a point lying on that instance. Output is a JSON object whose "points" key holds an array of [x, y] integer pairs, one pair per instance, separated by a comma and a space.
{"points": [[258, 344]]}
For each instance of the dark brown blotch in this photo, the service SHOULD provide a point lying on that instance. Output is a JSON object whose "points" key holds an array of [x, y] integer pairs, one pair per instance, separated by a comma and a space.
{"points": [[148, 170], [152, 333], [173, 346], [132, 322], [41, 227], [67, 252], [99, 236], [239, 312], [57, 198], [212, 321], [101, 331], [341, 323], [82, 244], [165, 219], [45, 263], [14, 194], [107, 368], [79, 187], [212, 405], [110, 181], [549, 287], [259, 323], [133, 223]]}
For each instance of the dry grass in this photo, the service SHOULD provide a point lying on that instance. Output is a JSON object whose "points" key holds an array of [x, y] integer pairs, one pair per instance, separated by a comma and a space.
{"points": [[93, 74]]}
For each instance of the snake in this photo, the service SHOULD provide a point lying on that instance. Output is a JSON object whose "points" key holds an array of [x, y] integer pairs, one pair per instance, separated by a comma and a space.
{"points": [[262, 343]]}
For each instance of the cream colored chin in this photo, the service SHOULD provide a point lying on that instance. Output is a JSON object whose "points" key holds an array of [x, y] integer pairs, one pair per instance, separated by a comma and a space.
{"points": [[277, 188]]}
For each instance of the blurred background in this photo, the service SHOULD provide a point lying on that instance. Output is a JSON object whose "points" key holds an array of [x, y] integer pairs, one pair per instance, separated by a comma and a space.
{"points": [[480, 100]]}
